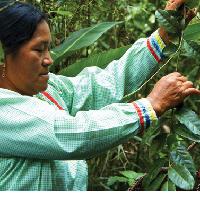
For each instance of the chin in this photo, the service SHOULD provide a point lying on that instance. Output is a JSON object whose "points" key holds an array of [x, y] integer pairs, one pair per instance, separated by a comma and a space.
{"points": [[39, 89]]}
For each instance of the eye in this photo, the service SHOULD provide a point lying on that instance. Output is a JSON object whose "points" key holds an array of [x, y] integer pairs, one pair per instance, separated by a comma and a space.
{"points": [[39, 50]]}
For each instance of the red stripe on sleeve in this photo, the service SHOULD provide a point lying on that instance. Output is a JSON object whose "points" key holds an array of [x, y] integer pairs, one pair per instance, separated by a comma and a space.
{"points": [[140, 115], [52, 99], [152, 51]]}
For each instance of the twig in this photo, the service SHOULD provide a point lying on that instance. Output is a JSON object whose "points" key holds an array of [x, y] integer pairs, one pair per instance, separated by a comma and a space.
{"points": [[128, 97], [191, 146]]}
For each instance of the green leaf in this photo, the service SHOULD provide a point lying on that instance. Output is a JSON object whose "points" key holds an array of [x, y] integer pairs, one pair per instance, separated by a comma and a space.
{"points": [[192, 32], [62, 12], [100, 60], [192, 3], [113, 179], [192, 48], [186, 133], [170, 49], [168, 186], [150, 134], [181, 156], [168, 20], [80, 39], [1, 54], [131, 174], [181, 177], [155, 185], [190, 119], [153, 173]]}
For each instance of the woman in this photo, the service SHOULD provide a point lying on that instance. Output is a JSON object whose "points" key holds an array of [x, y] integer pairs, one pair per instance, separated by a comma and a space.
{"points": [[49, 124]]}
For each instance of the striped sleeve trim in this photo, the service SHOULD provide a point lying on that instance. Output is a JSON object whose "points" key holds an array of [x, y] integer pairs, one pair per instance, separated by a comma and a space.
{"points": [[156, 46], [145, 112]]}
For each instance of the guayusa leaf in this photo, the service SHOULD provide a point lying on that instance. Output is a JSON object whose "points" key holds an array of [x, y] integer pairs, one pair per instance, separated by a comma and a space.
{"points": [[181, 156], [168, 186], [190, 119], [155, 185], [181, 177], [168, 19], [192, 48], [170, 49], [186, 133]]}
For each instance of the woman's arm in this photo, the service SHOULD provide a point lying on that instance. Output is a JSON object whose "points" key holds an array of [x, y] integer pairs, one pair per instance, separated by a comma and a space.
{"points": [[32, 128], [95, 88]]}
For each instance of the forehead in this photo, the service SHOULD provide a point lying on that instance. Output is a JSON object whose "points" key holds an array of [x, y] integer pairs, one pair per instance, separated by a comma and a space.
{"points": [[42, 33]]}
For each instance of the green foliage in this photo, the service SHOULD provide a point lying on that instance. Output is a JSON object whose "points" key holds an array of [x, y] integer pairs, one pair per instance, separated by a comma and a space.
{"points": [[100, 60], [161, 159], [192, 4], [80, 39], [181, 177]]}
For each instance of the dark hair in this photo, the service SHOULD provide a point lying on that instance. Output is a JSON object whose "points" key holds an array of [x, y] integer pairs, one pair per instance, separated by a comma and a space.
{"points": [[18, 22]]}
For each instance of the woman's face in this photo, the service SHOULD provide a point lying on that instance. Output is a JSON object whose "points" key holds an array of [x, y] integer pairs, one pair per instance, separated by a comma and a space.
{"points": [[27, 70]]}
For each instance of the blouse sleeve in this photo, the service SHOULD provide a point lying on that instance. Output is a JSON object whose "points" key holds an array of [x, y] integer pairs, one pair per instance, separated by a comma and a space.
{"points": [[94, 88], [32, 128]]}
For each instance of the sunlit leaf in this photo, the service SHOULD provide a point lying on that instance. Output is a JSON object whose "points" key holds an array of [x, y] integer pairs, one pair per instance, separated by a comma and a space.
{"points": [[101, 60], [131, 174], [80, 39], [192, 32]]}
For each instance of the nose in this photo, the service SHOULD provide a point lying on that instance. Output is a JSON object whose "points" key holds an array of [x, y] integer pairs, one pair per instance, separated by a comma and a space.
{"points": [[47, 60]]}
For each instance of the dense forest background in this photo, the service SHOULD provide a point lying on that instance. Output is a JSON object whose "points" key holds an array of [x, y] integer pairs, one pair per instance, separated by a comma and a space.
{"points": [[167, 156]]}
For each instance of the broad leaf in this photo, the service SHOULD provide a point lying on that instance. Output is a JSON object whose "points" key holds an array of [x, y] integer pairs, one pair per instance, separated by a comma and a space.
{"points": [[153, 173], [186, 133], [80, 39], [155, 185], [168, 21], [192, 48], [132, 174], [182, 157], [170, 49], [181, 177], [190, 119], [100, 60], [168, 186], [113, 179], [192, 32]]}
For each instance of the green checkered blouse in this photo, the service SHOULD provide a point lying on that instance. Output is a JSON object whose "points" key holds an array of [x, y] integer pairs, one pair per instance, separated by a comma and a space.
{"points": [[45, 139]]}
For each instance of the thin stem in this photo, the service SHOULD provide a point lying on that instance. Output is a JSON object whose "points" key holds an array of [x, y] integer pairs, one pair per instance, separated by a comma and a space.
{"points": [[129, 96]]}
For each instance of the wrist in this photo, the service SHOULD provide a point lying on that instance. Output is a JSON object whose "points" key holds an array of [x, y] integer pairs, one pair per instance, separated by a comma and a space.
{"points": [[164, 35], [156, 106]]}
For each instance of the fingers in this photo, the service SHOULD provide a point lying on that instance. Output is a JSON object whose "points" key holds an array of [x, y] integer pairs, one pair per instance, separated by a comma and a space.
{"points": [[182, 79], [191, 91], [174, 4]]}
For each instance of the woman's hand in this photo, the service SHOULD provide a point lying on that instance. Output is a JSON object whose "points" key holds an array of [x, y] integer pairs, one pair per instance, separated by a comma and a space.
{"points": [[174, 5], [170, 91]]}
